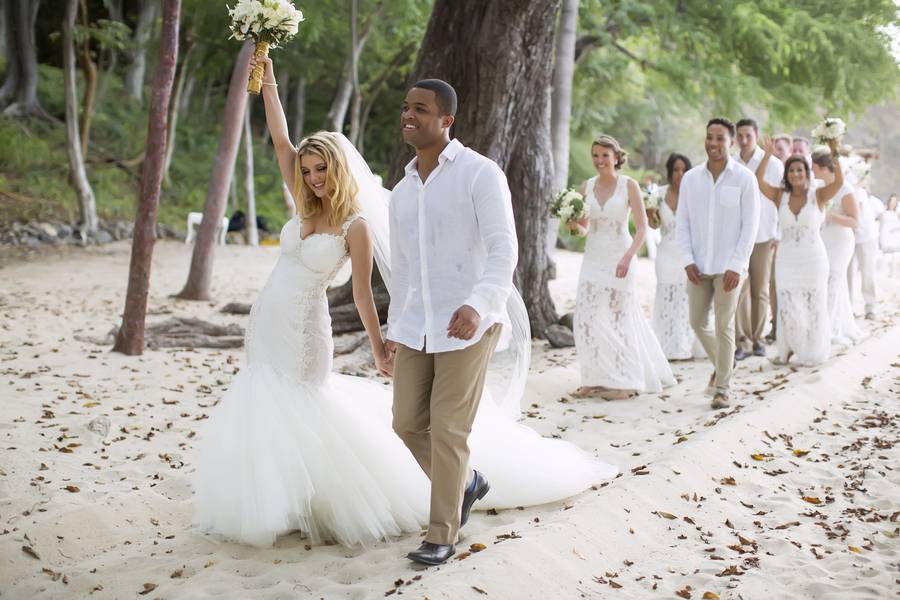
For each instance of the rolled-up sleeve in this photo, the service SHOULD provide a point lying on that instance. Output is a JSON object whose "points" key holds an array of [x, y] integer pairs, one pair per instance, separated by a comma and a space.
{"points": [[496, 227]]}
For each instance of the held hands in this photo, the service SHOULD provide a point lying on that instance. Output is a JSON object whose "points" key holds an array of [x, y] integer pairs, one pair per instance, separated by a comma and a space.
{"points": [[268, 74], [622, 267], [464, 323], [384, 357], [693, 273], [731, 280]]}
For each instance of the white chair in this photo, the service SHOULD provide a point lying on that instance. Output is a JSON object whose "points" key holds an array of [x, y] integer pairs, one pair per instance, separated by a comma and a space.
{"points": [[195, 218]]}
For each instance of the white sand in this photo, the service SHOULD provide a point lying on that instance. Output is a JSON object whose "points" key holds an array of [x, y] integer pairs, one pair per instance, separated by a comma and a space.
{"points": [[740, 527]]}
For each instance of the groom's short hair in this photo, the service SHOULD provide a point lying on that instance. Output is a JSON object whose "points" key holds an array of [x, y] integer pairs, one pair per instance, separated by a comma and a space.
{"points": [[724, 123], [443, 91]]}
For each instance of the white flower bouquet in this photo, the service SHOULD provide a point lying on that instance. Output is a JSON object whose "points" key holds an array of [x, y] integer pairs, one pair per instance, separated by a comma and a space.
{"points": [[832, 128], [568, 205], [269, 23], [651, 199]]}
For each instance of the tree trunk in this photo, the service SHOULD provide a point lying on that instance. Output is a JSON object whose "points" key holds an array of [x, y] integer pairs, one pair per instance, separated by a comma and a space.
{"points": [[134, 76], [338, 111], [249, 191], [354, 72], [199, 282], [561, 100], [130, 337], [174, 109], [499, 57], [77, 174], [90, 84], [299, 109], [188, 93], [20, 87]]}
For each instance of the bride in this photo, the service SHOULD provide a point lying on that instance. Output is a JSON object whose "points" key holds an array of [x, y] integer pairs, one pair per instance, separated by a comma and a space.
{"points": [[294, 446]]}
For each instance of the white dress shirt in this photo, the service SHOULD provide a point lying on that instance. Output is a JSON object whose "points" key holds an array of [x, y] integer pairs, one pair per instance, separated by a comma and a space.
{"points": [[717, 220], [774, 175], [453, 242], [870, 208]]}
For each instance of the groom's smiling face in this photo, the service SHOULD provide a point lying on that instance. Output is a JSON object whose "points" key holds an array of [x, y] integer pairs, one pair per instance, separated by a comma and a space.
{"points": [[421, 121]]}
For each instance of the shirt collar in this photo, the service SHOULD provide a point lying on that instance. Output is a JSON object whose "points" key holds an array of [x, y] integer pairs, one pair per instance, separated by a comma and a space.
{"points": [[450, 152], [729, 165], [757, 154]]}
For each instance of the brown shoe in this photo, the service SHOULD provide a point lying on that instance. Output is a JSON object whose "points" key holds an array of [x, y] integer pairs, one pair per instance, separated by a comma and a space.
{"points": [[711, 386], [720, 400]]}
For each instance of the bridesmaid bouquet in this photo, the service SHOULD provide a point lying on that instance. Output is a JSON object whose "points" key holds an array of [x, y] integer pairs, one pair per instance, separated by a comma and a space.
{"points": [[651, 200], [832, 128], [269, 23], [568, 205]]}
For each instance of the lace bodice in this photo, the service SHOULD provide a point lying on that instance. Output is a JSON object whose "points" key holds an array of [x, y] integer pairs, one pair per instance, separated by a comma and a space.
{"points": [[802, 228], [611, 217], [666, 218], [290, 326]]}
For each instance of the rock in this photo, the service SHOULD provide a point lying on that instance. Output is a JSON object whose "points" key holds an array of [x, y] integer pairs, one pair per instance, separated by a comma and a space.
{"points": [[48, 230], [27, 240], [103, 237], [236, 308], [568, 320], [64, 231], [122, 230], [559, 336], [100, 426]]}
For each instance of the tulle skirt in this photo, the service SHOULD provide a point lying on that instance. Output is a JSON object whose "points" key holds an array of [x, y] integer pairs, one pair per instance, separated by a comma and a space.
{"points": [[277, 456]]}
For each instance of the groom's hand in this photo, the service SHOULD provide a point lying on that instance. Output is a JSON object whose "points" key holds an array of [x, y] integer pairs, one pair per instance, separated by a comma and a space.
{"points": [[693, 274], [464, 323], [731, 280]]}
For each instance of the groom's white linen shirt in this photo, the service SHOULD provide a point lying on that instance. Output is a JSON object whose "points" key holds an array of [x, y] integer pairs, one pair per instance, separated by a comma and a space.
{"points": [[768, 214], [453, 242], [717, 220]]}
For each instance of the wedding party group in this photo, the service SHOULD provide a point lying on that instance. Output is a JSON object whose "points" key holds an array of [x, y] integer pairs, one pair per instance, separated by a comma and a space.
{"points": [[294, 446], [776, 226]]}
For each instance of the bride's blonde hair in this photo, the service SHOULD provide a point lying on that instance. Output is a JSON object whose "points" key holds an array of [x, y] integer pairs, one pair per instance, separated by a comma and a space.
{"points": [[339, 183]]}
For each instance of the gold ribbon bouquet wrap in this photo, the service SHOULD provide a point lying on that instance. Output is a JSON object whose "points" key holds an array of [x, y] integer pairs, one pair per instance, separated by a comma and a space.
{"points": [[269, 23]]}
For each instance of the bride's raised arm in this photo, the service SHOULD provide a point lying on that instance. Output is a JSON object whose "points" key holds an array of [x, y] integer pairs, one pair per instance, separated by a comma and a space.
{"points": [[275, 119]]}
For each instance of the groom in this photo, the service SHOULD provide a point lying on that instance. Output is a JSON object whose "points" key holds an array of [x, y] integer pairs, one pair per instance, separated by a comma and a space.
{"points": [[453, 252]]}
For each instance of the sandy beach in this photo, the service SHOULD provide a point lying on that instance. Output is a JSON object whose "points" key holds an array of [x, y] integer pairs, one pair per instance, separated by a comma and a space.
{"points": [[794, 492]]}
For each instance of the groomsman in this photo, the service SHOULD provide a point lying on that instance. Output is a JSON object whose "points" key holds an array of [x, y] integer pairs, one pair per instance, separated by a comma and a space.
{"points": [[870, 208], [717, 219], [753, 305], [783, 148]]}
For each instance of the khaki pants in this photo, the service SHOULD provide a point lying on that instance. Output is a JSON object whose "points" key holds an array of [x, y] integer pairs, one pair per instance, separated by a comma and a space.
{"points": [[753, 305], [436, 397], [719, 345]]}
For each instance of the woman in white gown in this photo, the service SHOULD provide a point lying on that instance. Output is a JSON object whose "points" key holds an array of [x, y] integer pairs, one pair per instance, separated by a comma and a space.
{"points": [[840, 243], [671, 313], [618, 354], [294, 446], [801, 266]]}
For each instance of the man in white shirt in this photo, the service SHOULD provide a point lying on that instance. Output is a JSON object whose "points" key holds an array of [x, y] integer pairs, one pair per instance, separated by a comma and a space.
{"points": [[717, 218], [866, 253], [453, 253], [753, 305]]}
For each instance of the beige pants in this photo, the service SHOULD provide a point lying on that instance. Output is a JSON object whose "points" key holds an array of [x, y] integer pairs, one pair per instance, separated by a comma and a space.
{"points": [[864, 259], [719, 345], [436, 397], [753, 305]]}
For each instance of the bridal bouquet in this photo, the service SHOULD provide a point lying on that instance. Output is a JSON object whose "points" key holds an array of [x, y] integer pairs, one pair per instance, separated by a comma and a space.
{"points": [[568, 205], [269, 23], [832, 128]]}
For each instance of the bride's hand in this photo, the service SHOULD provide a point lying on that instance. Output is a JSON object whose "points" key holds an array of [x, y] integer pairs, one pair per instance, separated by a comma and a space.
{"points": [[268, 74], [384, 358], [622, 267]]}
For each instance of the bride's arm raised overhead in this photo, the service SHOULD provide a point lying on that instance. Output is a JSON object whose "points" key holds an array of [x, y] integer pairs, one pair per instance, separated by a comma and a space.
{"points": [[827, 192], [275, 119], [766, 189]]}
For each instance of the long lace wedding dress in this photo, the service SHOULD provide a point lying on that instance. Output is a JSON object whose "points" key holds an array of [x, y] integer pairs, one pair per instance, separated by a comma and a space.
{"points": [[293, 446], [840, 243], [671, 311], [616, 347], [801, 281]]}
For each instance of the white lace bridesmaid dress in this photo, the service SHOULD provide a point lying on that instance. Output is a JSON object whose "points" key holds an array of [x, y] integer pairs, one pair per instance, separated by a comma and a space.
{"points": [[801, 282], [671, 312], [616, 347], [840, 243], [293, 446]]}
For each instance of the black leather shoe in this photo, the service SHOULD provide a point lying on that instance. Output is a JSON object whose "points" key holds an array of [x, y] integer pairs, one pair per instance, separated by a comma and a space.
{"points": [[478, 492], [740, 354], [432, 554], [759, 350]]}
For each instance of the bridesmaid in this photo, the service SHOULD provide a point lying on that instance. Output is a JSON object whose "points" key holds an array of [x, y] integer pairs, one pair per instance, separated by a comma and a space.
{"points": [[618, 354], [801, 266], [840, 243], [671, 313]]}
